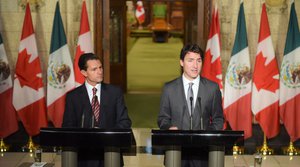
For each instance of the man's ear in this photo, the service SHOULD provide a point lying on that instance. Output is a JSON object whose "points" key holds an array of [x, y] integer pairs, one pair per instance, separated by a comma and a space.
{"points": [[181, 63], [83, 72]]}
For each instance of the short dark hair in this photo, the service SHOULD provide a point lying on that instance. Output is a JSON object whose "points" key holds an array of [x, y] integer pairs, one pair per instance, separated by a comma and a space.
{"points": [[82, 62], [191, 48]]}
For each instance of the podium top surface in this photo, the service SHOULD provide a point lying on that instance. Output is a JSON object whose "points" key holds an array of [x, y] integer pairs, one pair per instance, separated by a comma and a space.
{"points": [[87, 137], [196, 138]]}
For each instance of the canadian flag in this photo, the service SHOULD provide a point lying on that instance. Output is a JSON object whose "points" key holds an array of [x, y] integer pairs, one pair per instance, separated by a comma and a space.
{"points": [[28, 92], [265, 89], [84, 44], [8, 115], [212, 68], [140, 12]]}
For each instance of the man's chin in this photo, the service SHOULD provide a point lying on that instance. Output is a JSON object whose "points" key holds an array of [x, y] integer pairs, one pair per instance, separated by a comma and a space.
{"points": [[195, 76]]}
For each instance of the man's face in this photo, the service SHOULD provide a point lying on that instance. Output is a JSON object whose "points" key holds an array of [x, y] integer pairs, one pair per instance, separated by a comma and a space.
{"points": [[191, 65], [94, 72]]}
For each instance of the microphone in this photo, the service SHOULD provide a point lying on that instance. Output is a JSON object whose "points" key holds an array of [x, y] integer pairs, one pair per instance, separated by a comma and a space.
{"points": [[82, 120], [93, 120], [201, 114], [191, 117]]}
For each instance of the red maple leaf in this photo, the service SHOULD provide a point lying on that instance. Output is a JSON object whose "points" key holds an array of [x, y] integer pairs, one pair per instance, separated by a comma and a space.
{"points": [[263, 75], [27, 72], [212, 70]]}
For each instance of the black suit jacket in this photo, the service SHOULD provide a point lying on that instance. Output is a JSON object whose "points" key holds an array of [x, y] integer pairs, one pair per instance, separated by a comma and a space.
{"points": [[78, 113], [113, 112]]}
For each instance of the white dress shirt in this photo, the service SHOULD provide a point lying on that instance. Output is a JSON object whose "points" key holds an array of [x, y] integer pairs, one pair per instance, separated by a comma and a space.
{"points": [[89, 89], [195, 87]]}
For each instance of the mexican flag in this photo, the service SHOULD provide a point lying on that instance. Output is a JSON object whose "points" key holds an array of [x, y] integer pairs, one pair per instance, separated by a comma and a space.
{"points": [[290, 79], [8, 115], [60, 72], [238, 80]]}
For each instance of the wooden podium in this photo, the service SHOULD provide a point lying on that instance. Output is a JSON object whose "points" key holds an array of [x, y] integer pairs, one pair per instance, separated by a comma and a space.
{"points": [[173, 141], [72, 139]]}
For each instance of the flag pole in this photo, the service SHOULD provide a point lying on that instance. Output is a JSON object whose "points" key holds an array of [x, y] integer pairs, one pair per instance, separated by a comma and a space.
{"points": [[30, 146], [3, 146], [264, 149], [291, 150]]}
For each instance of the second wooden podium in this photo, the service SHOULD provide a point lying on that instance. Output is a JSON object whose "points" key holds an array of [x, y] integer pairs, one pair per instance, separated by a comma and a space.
{"points": [[173, 141]]}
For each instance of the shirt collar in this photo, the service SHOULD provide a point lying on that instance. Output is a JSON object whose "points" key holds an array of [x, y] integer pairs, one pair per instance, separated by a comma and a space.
{"points": [[186, 81], [90, 87]]}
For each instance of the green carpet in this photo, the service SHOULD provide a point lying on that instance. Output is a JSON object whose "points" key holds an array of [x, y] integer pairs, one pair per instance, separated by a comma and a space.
{"points": [[143, 109], [150, 65]]}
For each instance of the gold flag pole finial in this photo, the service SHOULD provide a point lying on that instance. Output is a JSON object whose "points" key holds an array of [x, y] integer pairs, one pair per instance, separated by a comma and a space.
{"points": [[30, 146], [264, 149], [3, 146], [237, 150], [291, 150]]}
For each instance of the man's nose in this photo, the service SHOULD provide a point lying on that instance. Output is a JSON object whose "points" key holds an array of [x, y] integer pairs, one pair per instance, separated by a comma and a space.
{"points": [[195, 64]]}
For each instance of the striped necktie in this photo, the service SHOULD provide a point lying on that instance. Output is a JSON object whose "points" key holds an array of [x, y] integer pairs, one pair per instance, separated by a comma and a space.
{"points": [[95, 105]]}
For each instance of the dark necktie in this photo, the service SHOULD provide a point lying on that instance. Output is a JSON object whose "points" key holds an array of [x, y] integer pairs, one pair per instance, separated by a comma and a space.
{"points": [[95, 105], [189, 95]]}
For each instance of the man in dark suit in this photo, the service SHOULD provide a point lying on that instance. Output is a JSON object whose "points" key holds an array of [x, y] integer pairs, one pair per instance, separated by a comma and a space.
{"points": [[191, 96], [84, 109]]}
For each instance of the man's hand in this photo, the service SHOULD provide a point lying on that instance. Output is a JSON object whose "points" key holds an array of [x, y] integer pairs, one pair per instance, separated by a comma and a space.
{"points": [[173, 128]]}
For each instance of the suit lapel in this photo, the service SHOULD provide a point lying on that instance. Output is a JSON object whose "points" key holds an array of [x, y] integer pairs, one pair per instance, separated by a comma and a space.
{"points": [[85, 97], [182, 99], [200, 96], [86, 105], [103, 102]]}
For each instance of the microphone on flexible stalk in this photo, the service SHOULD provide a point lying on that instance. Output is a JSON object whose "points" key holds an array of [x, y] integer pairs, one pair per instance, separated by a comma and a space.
{"points": [[82, 120], [201, 114], [191, 117], [93, 120]]}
